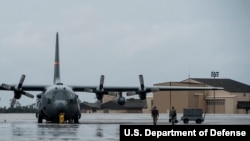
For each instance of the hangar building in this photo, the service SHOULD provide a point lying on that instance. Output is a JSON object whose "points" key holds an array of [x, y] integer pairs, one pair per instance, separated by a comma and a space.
{"points": [[234, 99]]}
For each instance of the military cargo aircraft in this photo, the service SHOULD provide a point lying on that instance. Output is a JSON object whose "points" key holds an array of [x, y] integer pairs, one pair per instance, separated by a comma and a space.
{"points": [[59, 101]]}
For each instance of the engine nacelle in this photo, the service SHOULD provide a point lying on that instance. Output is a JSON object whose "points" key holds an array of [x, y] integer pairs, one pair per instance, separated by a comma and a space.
{"points": [[142, 95], [121, 100]]}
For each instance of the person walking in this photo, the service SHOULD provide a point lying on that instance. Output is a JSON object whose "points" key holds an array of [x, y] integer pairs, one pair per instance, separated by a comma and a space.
{"points": [[173, 115], [155, 114]]}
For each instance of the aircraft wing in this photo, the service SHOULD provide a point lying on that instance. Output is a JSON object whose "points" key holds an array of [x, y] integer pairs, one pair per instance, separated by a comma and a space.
{"points": [[185, 88], [130, 91], [26, 87], [146, 89], [140, 89], [114, 88]]}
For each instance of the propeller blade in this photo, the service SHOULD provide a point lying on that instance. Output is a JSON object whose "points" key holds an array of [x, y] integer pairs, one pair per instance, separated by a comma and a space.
{"points": [[13, 102], [101, 82], [28, 94], [6, 86], [21, 82], [141, 81]]}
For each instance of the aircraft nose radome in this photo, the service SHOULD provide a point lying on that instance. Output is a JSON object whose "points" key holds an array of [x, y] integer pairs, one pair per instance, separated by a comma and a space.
{"points": [[60, 105]]}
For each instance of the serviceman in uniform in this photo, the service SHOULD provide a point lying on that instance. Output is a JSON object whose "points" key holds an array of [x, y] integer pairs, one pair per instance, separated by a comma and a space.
{"points": [[155, 114]]}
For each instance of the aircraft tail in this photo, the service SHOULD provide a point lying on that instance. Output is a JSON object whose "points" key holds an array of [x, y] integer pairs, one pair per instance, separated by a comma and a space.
{"points": [[57, 63]]}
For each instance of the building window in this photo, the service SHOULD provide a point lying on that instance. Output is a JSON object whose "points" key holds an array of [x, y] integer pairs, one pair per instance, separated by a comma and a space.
{"points": [[216, 102]]}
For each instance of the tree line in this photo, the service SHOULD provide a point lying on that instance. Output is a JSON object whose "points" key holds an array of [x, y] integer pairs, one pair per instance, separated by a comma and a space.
{"points": [[19, 109]]}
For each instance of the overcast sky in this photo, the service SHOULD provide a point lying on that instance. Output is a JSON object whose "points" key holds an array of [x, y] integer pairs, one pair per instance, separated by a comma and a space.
{"points": [[165, 40]]}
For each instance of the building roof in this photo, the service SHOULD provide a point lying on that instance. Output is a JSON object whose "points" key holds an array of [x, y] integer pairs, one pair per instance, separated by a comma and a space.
{"points": [[112, 105], [228, 84], [135, 104], [88, 105]]}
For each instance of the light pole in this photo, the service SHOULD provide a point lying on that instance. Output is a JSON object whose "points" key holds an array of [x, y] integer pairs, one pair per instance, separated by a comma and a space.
{"points": [[170, 98], [214, 74]]}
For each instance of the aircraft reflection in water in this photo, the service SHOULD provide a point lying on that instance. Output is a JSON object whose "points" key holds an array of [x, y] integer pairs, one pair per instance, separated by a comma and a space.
{"points": [[77, 131], [99, 131], [69, 132], [62, 131], [60, 103]]}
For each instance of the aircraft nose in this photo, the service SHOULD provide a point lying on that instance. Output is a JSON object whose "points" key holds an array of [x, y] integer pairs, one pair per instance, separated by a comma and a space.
{"points": [[60, 105]]}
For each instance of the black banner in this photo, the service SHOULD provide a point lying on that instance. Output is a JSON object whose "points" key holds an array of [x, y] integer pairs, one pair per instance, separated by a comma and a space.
{"points": [[162, 132]]}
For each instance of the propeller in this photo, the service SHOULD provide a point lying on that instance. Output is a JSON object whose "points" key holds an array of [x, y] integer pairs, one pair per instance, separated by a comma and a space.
{"points": [[142, 91], [141, 82], [13, 102], [101, 83], [18, 92], [99, 91]]}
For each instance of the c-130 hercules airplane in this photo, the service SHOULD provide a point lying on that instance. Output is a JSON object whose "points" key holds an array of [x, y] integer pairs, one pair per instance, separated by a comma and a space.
{"points": [[59, 99]]}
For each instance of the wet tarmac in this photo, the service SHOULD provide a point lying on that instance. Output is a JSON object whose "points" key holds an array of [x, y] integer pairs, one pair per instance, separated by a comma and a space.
{"points": [[93, 126]]}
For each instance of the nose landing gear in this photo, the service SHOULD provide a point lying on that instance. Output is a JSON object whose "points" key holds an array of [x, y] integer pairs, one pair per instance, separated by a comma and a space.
{"points": [[61, 118]]}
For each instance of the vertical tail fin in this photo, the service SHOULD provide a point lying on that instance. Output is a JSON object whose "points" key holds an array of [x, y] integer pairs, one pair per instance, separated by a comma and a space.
{"points": [[57, 63]]}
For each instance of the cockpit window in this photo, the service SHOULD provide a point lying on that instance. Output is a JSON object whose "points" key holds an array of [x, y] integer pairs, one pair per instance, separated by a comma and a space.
{"points": [[62, 94]]}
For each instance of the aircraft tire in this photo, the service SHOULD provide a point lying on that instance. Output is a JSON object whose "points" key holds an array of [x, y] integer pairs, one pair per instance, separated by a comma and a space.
{"points": [[40, 117], [77, 117], [185, 121], [76, 120]]}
